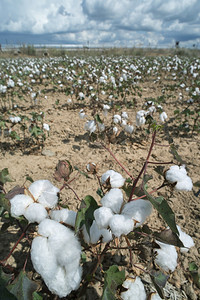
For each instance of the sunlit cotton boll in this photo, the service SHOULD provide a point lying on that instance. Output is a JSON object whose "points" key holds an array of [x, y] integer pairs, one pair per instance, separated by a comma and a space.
{"points": [[138, 210], [129, 128], [35, 212], [55, 255], [185, 239], [166, 256], [179, 175], [46, 127], [64, 215], [19, 203], [82, 114], [115, 179], [113, 199], [102, 216], [45, 193], [15, 119], [163, 116], [90, 126], [135, 289], [121, 224], [140, 118], [124, 115], [96, 233], [117, 119]]}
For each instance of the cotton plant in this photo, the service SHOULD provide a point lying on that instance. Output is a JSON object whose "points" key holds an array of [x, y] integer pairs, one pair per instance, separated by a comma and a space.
{"points": [[177, 175], [36, 200]]}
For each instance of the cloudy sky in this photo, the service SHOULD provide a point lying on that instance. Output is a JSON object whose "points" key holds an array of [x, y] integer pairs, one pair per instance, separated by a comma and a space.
{"points": [[115, 23]]}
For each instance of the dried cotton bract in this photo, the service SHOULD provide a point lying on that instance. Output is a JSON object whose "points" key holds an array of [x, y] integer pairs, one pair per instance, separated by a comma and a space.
{"points": [[55, 255]]}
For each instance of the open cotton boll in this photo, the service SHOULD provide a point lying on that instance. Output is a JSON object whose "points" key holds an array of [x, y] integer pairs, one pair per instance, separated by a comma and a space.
{"points": [[56, 257], [124, 115], [117, 119], [116, 180], [121, 224], [163, 116], [102, 216], [179, 175], [35, 212], [95, 234], [166, 256], [135, 290], [186, 240], [64, 215], [106, 235], [90, 126], [19, 203], [44, 192], [113, 199], [129, 128], [43, 259], [138, 210]]}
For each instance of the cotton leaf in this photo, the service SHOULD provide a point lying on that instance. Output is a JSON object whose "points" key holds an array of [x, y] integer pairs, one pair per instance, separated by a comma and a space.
{"points": [[85, 214], [113, 278], [159, 279], [23, 288]]}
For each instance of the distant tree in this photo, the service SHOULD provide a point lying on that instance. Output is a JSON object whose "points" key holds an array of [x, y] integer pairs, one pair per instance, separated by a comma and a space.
{"points": [[177, 44]]}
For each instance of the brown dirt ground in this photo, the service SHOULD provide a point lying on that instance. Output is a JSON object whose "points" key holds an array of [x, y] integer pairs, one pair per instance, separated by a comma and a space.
{"points": [[68, 140]]}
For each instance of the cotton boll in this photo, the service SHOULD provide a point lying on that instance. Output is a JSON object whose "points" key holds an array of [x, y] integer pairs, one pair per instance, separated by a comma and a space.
{"points": [[44, 192], [135, 290], [90, 126], [185, 239], [117, 119], [95, 233], [129, 128], [121, 224], [184, 185], [113, 199], [43, 259], [166, 256], [115, 178], [163, 116], [154, 296], [19, 203], [102, 216], [179, 175], [124, 115], [138, 210], [106, 235], [64, 215], [35, 212]]}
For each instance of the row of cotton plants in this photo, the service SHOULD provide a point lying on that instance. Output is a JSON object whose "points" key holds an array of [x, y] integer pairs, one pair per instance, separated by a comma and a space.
{"points": [[116, 81], [59, 236]]}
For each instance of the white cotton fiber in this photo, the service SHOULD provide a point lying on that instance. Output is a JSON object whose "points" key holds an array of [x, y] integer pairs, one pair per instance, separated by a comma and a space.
{"points": [[102, 216], [56, 257], [115, 178], [184, 185], [43, 259], [64, 215], [19, 203], [44, 192], [138, 210], [179, 175], [113, 199], [135, 290], [121, 224], [185, 239], [106, 235], [35, 212], [166, 256]]}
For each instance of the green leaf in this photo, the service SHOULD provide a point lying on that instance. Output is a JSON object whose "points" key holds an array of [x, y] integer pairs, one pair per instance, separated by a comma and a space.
{"points": [[164, 210], [159, 279], [4, 176], [23, 288], [29, 178], [85, 214], [112, 279], [4, 202], [193, 269], [98, 119], [36, 296], [4, 293], [81, 172]]}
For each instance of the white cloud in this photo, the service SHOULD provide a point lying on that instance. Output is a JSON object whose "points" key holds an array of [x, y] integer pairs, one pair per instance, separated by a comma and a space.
{"points": [[109, 22]]}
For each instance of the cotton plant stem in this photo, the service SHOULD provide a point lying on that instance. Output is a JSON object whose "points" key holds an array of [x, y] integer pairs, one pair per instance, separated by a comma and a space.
{"points": [[69, 187], [143, 168], [20, 238], [108, 149]]}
